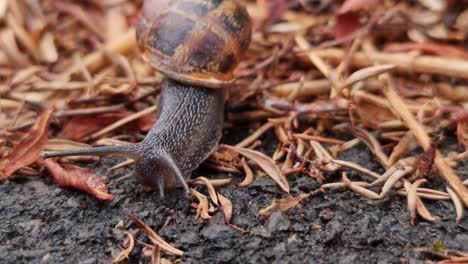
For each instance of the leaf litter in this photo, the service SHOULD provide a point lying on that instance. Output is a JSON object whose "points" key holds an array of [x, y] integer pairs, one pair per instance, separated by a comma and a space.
{"points": [[344, 83]]}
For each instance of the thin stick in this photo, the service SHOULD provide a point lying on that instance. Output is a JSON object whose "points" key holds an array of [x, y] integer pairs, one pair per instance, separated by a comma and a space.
{"points": [[399, 107], [255, 135], [124, 121], [421, 64]]}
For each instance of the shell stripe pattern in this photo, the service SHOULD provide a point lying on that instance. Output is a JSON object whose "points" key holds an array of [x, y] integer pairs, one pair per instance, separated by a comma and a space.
{"points": [[203, 35]]}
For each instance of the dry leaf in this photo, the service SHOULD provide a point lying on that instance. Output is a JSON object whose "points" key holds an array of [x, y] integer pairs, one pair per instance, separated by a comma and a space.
{"points": [[283, 204], [249, 176], [203, 208], [80, 127], [226, 206], [67, 175], [29, 148], [367, 73], [129, 245], [211, 189], [412, 198], [266, 163], [157, 240]]}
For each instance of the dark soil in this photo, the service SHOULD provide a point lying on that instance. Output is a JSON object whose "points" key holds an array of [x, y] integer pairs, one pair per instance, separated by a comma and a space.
{"points": [[42, 223]]}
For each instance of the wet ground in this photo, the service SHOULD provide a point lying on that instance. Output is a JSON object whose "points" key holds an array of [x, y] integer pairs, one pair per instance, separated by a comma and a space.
{"points": [[42, 223]]}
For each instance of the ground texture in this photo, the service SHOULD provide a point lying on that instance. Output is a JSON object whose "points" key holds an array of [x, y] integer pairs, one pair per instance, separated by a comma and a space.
{"points": [[42, 223]]}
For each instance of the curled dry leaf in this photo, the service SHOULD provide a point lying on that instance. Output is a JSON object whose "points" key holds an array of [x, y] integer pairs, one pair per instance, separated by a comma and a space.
{"points": [[215, 182], [412, 198], [29, 148], [249, 176], [285, 203], [359, 189], [129, 245], [226, 206], [157, 240], [211, 189], [357, 167], [67, 175], [396, 176], [457, 203], [373, 144], [367, 73], [203, 208], [266, 163]]}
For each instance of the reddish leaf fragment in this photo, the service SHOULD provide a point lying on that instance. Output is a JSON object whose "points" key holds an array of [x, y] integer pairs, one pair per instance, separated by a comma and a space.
{"points": [[347, 20], [29, 148], [427, 158], [67, 175], [346, 24], [80, 127], [146, 123]]}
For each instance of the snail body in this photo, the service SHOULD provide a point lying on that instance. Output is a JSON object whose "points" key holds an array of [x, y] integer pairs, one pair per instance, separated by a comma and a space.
{"points": [[196, 44]]}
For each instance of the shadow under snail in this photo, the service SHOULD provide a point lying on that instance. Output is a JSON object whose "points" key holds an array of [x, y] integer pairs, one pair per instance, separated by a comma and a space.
{"points": [[196, 44]]}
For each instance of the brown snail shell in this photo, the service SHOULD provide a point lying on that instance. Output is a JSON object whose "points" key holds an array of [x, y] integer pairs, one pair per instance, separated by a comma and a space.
{"points": [[198, 42]]}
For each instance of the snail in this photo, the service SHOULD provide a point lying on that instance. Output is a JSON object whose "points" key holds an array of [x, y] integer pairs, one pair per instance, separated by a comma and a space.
{"points": [[196, 44]]}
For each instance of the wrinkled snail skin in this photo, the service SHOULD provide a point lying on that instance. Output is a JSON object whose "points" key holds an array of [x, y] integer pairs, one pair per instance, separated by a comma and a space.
{"points": [[196, 44], [188, 129]]}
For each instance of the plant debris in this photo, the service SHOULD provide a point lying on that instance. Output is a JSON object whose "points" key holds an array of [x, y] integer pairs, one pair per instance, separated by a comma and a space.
{"points": [[317, 81], [67, 175]]}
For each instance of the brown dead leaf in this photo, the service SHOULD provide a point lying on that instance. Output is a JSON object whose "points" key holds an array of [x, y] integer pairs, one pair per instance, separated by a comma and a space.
{"points": [[203, 208], [80, 127], [29, 148], [157, 240], [366, 73], [430, 48], [249, 176], [67, 175], [129, 244], [146, 123], [211, 189], [215, 182], [266, 163], [283, 204], [412, 201], [226, 206]]}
